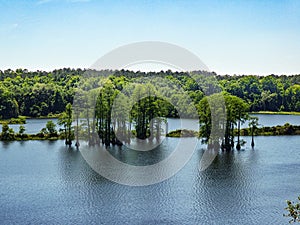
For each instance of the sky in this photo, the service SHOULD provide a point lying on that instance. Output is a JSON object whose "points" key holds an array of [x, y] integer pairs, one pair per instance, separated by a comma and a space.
{"points": [[231, 37]]}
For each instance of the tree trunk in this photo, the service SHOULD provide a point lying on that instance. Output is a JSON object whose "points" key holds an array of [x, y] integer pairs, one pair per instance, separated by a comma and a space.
{"points": [[88, 126], [77, 140], [252, 141], [238, 146]]}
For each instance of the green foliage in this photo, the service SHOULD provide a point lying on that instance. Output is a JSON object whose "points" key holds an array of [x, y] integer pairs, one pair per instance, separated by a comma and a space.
{"points": [[5, 128], [270, 93], [129, 108], [19, 120], [43, 131], [253, 125], [9, 105], [124, 108], [7, 133], [146, 110], [293, 211], [286, 129], [65, 120], [21, 130], [39, 93], [51, 127], [183, 133], [221, 112]]}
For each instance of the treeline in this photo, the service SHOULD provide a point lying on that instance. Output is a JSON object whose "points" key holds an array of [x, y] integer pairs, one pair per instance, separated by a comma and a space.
{"points": [[286, 129], [36, 94], [40, 93], [265, 93]]}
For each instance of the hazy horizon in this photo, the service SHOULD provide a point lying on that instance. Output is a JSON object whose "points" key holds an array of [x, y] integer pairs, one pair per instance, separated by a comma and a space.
{"points": [[148, 71]]}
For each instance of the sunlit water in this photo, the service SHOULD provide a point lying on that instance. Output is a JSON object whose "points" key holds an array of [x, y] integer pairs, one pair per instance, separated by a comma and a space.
{"points": [[45, 182]]}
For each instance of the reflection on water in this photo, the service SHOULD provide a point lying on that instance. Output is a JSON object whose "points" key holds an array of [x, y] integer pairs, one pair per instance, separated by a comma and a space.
{"points": [[139, 168], [46, 182]]}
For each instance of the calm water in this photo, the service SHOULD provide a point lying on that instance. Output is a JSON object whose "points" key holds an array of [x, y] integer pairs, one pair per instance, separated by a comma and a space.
{"points": [[273, 120], [44, 182], [33, 126]]}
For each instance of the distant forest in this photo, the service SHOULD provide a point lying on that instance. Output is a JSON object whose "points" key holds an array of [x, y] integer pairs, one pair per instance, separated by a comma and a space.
{"points": [[39, 93]]}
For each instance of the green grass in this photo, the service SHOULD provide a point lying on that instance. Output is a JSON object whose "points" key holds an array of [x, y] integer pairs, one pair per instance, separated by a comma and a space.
{"points": [[183, 133], [19, 120], [276, 113], [22, 119], [50, 116], [33, 137], [286, 129]]}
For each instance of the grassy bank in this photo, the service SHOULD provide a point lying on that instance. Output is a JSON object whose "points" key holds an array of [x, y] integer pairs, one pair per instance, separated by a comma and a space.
{"points": [[183, 133], [22, 119], [286, 129], [19, 120], [276, 113], [30, 137], [49, 116]]}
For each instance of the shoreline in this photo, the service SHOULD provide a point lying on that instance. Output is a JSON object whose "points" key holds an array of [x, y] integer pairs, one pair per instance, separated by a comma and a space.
{"points": [[276, 113], [279, 130], [172, 134], [22, 119], [284, 130]]}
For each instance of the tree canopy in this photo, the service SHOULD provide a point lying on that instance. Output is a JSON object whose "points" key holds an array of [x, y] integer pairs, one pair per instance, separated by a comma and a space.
{"points": [[41, 93]]}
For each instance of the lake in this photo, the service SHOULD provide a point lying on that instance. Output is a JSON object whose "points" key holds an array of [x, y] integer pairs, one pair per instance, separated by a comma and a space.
{"points": [[44, 182]]}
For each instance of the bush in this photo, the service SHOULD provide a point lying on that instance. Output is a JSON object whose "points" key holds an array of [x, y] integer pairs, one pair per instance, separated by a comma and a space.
{"points": [[294, 211]]}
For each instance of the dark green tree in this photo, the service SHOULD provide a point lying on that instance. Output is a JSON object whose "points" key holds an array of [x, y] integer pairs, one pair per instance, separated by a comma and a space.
{"points": [[22, 130], [7, 133], [51, 127], [212, 109], [253, 124], [65, 120]]}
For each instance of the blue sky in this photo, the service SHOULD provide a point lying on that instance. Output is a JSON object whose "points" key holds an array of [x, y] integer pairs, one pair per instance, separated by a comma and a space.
{"points": [[230, 37]]}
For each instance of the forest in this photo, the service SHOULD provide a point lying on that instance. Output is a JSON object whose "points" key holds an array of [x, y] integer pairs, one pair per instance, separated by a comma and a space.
{"points": [[40, 93]]}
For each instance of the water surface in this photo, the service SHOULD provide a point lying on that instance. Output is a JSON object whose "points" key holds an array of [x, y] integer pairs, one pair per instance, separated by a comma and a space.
{"points": [[45, 182]]}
